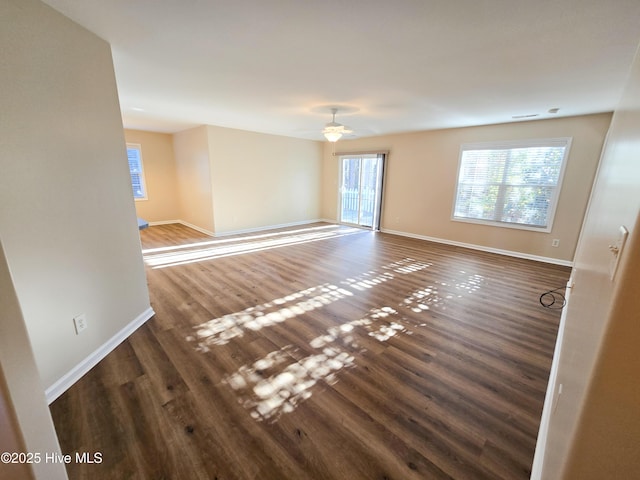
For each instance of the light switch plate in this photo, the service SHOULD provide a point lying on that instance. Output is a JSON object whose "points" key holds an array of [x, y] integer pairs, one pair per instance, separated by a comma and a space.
{"points": [[80, 322], [616, 250]]}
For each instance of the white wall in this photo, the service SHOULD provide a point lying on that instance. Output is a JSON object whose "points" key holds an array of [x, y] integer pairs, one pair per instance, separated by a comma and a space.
{"points": [[24, 417], [193, 172], [594, 431], [233, 180], [67, 215], [421, 180], [262, 180]]}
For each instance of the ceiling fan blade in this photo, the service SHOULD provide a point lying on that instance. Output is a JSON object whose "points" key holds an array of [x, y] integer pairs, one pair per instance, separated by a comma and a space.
{"points": [[333, 129], [336, 127]]}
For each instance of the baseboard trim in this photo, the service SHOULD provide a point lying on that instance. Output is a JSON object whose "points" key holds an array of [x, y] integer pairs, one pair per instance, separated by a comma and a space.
{"points": [[509, 253], [182, 222], [547, 409], [268, 227], [164, 222], [73, 375], [197, 228]]}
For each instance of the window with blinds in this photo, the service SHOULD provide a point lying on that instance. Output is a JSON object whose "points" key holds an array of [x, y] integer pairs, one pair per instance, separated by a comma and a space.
{"points": [[136, 170], [511, 184]]}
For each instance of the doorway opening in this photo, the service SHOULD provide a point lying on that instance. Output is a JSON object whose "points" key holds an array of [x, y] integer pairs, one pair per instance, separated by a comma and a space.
{"points": [[361, 189]]}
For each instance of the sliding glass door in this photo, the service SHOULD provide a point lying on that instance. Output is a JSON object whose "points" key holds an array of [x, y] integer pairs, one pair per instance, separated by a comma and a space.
{"points": [[361, 189]]}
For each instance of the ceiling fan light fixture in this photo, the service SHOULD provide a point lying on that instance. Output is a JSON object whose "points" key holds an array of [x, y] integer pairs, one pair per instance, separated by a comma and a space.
{"points": [[332, 136], [333, 130]]}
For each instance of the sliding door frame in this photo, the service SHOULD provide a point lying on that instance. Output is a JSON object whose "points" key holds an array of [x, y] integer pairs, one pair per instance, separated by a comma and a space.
{"points": [[382, 157]]}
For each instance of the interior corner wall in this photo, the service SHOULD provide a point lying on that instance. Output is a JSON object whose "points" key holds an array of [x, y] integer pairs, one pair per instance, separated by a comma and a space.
{"points": [[10, 435], [159, 164], [594, 428], [193, 173], [67, 220], [420, 182], [25, 421], [261, 180]]}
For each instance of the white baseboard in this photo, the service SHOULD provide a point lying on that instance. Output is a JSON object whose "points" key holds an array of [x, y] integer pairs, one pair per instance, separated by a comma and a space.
{"points": [[71, 377], [197, 228], [509, 253], [164, 222], [550, 398], [268, 227], [182, 222]]}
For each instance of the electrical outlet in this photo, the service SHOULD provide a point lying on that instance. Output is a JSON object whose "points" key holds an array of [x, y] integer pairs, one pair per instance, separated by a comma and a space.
{"points": [[80, 323], [555, 242]]}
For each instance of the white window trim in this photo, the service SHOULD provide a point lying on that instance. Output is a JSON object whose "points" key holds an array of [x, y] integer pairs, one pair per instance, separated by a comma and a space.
{"points": [[138, 147], [528, 143]]}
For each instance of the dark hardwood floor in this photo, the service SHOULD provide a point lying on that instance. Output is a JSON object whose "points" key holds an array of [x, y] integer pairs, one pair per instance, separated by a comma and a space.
{"points": [[320, 352]]}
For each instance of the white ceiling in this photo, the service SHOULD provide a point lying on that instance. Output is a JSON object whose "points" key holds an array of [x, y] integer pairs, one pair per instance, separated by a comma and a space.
{"points": [[276, 66]]}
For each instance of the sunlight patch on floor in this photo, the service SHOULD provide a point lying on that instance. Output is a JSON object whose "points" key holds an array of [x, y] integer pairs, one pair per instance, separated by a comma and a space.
{"points": [[282, 391], [407, 265], [438, 294], [345, 331], [367, 280], [372, 278], [240, 239], [220, 249], [220, 330], [278, 383]]}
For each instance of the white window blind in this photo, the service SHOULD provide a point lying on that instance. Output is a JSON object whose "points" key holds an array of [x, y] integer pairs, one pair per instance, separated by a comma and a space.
{"points": [[511, 184], [136, 170]]}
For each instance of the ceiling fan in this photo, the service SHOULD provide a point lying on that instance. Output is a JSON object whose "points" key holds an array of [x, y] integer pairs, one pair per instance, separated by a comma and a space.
{"points": [[333, 130]]}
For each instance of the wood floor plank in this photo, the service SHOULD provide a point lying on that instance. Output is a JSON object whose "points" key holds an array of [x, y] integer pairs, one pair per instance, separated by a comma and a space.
{"points": [[320, 352], [158, 368]]}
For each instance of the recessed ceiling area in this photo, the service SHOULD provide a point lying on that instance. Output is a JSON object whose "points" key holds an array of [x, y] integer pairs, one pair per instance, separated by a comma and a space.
{"points": [[409, 65]]}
